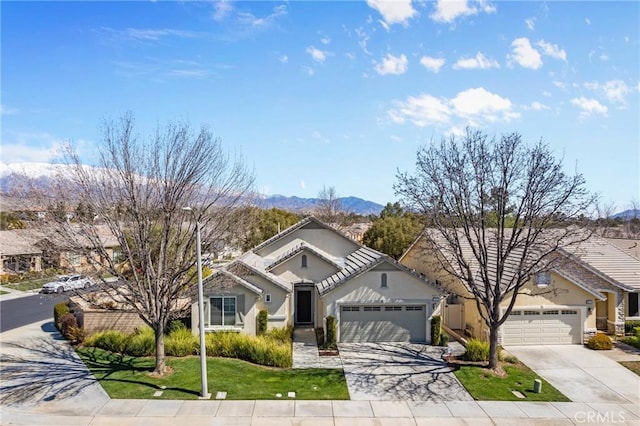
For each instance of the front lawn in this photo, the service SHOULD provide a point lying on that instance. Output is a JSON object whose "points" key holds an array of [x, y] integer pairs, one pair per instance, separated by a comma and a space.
{"points": [[632, 365], [125, 377], [483, 385], [3, 292], [29, 285]]}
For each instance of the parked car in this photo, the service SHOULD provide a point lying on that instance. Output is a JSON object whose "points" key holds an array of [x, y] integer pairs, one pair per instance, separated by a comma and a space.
{"points": [[66, 283]]}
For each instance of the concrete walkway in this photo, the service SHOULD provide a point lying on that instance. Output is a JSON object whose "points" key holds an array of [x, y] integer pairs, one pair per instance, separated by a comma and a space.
{"points": [[305, 351], [15, 294]]}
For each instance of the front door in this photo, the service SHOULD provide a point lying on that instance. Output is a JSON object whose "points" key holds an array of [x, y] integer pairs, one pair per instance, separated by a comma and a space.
{"points": [[303, 307]]}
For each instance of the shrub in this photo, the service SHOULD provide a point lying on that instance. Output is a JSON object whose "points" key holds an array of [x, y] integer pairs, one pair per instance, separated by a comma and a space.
{"points": [[444, 339], [282, 334], [256, 349], [600, 342], [633, 341], [477, 350], [263, 317], [141, 343], [110, 340], [511, 359], [180, 342], [331, 332], [435, 330], [69, 327], [175, 325], [630, 325], [636, 332], [58, 311], [320, 337]]}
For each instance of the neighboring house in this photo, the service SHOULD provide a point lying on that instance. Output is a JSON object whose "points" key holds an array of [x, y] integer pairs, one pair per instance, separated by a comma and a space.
{"points": [[593, 287], [30, 250], [311, 271]]}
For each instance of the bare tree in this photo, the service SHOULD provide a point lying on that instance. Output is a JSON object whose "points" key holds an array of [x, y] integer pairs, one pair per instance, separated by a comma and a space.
{"points": [[138, 193], [331, 210], [498, 211]]}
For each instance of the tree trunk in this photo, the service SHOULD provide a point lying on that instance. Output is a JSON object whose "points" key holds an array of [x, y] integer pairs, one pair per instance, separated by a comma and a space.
{"points": [[493, 348], [160, 359]]}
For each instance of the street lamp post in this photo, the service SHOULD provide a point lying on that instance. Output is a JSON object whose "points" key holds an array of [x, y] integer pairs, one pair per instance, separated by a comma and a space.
{"points": [[203, 348]]}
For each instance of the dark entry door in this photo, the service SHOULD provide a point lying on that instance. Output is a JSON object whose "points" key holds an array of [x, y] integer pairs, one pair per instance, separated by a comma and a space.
{"points": [[303, 307]]}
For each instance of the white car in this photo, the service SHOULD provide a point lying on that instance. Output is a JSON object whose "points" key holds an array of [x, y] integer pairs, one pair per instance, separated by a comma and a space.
{"points": [[66, 283]]}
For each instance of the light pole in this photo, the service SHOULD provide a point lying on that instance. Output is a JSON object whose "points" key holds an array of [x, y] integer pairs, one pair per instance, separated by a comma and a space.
{"points": [[203, 348]]}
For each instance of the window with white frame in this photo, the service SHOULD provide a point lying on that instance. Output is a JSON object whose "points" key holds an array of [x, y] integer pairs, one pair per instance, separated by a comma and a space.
{"points": [[223, 310], [75, 259]]}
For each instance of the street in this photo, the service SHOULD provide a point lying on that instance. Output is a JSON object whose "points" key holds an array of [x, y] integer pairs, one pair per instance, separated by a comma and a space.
{"points": [[26, 310]]}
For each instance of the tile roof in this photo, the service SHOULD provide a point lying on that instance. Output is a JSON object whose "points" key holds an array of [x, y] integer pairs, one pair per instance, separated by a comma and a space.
{"points": [[299, 248], [226, 277], [357, 262]]}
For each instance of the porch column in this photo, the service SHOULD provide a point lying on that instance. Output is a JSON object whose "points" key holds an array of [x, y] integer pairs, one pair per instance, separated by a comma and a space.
{"points": [[615, 322]]}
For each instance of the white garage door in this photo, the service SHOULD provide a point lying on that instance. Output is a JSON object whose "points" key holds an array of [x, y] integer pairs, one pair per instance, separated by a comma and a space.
{"points": [[383, 323], [542, 327]]}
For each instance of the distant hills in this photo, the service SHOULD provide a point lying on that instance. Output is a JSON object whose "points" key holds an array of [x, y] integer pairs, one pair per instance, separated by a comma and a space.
{"points": [[14, 176], [297, 204], [627, 215]]}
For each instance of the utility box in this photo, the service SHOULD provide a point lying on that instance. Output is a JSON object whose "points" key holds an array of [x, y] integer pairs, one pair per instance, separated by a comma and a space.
{"points": [[537, 386]]}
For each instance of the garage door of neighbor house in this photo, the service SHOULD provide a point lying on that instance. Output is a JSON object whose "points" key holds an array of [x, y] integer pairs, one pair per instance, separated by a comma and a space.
{"points": [[383, 323], [542, 327]]}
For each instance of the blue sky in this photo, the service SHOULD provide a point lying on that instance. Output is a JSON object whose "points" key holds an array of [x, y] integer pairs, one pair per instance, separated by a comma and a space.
{"points": [[330, 93]]}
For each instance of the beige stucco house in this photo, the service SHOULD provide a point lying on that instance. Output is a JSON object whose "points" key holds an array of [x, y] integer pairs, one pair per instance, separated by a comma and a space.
{"points": [[311, 271], [594, 287]]}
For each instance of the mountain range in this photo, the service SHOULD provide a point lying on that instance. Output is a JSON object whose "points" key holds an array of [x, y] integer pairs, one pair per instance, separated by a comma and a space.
{"points": [[16, 175]]}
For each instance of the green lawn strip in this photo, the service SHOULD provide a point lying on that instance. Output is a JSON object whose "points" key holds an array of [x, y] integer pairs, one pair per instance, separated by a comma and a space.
{"points": [[3, 292], [29, 285], [125, 377], [483, 385], [632, 365], [631, 341]]}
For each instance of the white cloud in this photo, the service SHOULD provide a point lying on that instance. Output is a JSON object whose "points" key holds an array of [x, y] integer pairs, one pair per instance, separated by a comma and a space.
{"points": [[147, 34], [531, 23], [615, 91], [448, 11], [589, 106], [524, 54], [392, 65], [559, 84], [247, 18], [538, 106], [318, 136], [478, 62], [552, 50], [432, 64], [284, 59], [5, 110], [303, 185], [33, 148], [308, 70], [588, 21], [325, 40], [317, 54], [221, 9], [469, 107], [394, 12]]}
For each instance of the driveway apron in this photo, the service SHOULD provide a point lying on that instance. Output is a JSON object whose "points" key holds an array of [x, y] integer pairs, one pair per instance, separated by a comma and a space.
{"points": [[399, 371], [582, 374]]}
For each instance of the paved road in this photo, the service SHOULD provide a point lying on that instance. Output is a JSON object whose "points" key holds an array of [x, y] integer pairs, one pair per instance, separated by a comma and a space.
{"points": [[26, 310]]}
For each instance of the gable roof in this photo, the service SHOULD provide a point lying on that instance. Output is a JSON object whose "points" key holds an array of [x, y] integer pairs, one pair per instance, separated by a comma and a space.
{"points": [[269, 277], [299, 248], [228, 276]]}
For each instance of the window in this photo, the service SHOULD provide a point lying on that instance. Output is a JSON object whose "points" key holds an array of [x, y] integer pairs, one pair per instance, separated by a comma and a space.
{"points": [[532, 312], [413, 308], [515, 313], [383, 280], [372, 308], [569, 312], [75, 259], [304, 261], [542, 279], [550, 313], [267, 298], [223, 310], [633, 305], [117, 255], [392, 308], [350, 308]]}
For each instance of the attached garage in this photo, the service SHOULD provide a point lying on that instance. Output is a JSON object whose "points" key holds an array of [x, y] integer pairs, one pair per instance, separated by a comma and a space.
{"points": [[380, 323], [548, 326]]}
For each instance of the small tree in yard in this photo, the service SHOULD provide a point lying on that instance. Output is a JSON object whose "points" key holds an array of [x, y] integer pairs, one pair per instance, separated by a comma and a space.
{"points": [[498, 212], [138, 193]]}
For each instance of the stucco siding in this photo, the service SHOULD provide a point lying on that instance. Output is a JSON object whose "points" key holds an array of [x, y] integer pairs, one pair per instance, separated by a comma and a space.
{"points": [[250, 312], [292, 271], [323, 239]]}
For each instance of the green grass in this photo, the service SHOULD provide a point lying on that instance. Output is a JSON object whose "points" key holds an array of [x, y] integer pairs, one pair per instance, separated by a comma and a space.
{"points": [[29, 285], [632, 365], [631, 341], [125, 377], [3, 292], [483, 385]]}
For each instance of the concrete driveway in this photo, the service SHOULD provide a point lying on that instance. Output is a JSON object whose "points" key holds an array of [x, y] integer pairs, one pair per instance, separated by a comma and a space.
{"points": [[399, 371], [582, 374]]}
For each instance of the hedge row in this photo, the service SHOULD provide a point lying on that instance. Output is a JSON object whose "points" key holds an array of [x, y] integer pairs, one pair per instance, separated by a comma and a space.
{"points": [[272, 349]]}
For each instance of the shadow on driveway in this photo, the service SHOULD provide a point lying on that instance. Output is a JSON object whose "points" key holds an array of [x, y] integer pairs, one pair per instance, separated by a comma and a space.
{"points": [[399, 371]]}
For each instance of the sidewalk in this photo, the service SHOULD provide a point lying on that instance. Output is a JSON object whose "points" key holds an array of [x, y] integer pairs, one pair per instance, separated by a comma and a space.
{"points": [[54, 388], [15, 294]]}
